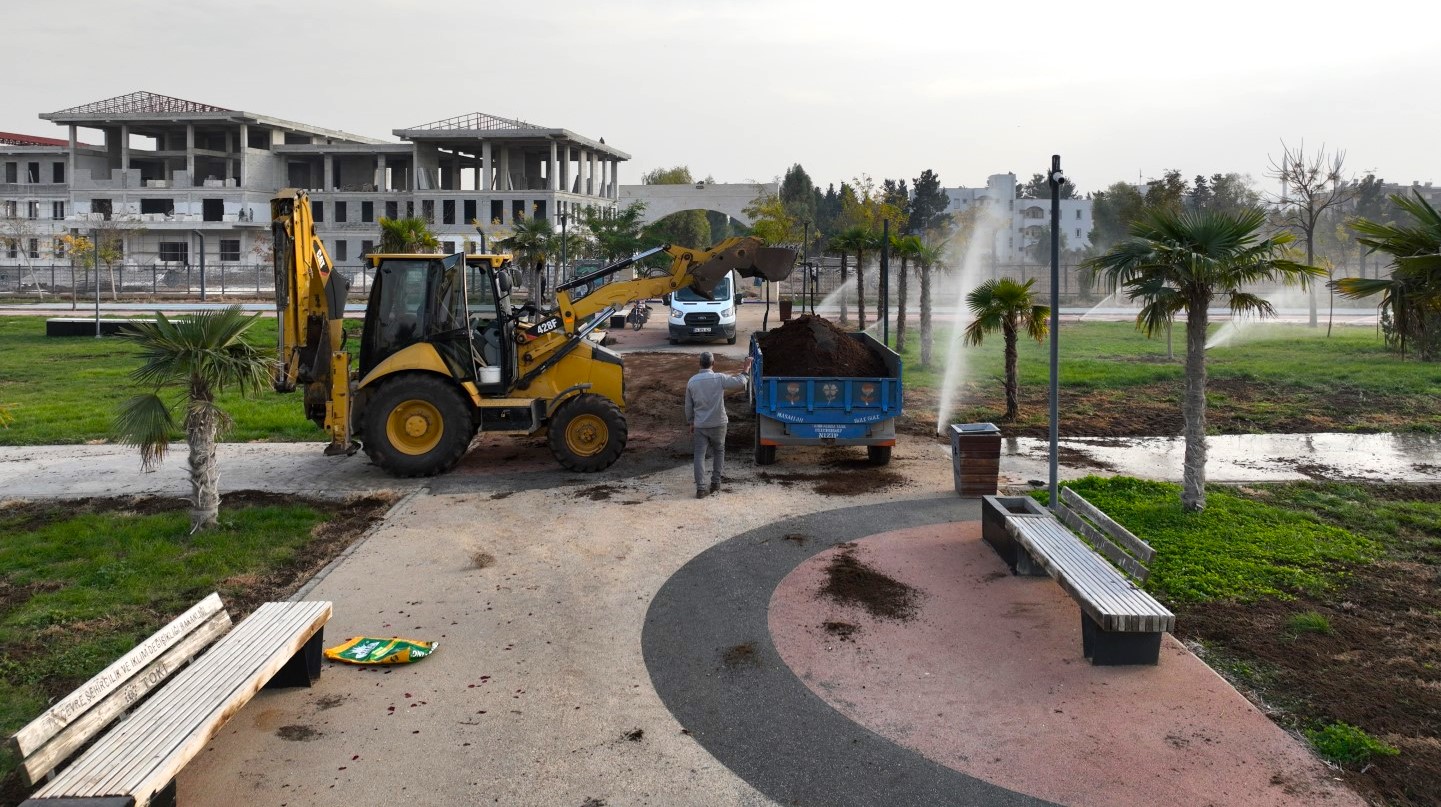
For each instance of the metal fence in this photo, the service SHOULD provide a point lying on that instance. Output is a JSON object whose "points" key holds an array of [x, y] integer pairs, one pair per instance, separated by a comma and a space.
{"points": [[235, 280]]}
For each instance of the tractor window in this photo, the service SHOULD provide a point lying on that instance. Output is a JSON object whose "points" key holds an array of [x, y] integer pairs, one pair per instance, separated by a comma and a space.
{"points": [[480, 292], [403, 311], [450, 295]]}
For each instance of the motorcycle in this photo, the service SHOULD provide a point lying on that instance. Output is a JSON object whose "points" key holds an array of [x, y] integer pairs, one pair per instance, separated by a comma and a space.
{"points": [[639, 313]]}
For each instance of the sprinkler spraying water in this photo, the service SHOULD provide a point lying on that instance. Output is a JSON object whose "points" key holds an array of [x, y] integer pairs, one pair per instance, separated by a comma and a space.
{"points": [[969, 276]]}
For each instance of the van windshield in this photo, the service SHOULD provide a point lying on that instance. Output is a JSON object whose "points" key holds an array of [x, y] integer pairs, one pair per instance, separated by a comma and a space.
{"points": [[721, 293]]}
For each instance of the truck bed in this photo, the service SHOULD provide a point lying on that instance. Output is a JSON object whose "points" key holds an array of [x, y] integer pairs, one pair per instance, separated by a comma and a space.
{"points": [[828, 410]]}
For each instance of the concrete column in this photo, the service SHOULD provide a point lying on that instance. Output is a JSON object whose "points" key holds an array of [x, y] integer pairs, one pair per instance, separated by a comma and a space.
{"points": [[475, 180], [565, 170], [488, 176], [550, 178], [594, 189], [504, 181], [125, 153], [328, 176], [190, 153], [70, 158], [380, 172], [244, 149]]}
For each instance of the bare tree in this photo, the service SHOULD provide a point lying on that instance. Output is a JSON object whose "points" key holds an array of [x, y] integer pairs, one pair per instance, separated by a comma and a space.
{"points": [[1310, 186], [15, 235]]}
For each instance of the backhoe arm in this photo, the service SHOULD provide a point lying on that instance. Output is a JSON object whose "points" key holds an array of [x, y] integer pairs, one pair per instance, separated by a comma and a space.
{"points": [[310, 306], [702, 269]]}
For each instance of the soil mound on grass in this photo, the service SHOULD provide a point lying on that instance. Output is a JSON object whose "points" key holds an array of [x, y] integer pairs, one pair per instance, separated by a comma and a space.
{"points": [[813, 346]]}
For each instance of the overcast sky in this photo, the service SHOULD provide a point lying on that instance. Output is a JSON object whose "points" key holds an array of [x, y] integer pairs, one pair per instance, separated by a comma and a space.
{"points": [[741, 90]]}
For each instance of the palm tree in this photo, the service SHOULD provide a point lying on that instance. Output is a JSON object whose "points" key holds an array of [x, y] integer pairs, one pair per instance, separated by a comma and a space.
{"points": [[860, 241], [1411, 296], [200, 357], [1006, 306], [928, 257], [411, 235], [907, 247], [533, 240], [1178, 262]]}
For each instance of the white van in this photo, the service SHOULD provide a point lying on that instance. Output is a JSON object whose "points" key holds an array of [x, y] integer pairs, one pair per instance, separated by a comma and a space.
{"points": [[693, 317]]}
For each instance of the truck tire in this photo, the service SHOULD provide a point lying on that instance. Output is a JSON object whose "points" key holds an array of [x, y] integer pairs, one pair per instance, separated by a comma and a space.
{"points": [[765, 455], [417, 425], [730, 340], [588, 433], [878, 455]]}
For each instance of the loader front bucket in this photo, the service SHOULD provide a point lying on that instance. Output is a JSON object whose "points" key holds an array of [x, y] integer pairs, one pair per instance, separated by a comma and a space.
{"points": [[747, 257]]}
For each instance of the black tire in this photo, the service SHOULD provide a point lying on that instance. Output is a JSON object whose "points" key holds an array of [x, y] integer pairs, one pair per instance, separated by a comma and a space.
{"points": [[765, 455], [878, 455], [730, 340], [417, 425], [588, 433]]}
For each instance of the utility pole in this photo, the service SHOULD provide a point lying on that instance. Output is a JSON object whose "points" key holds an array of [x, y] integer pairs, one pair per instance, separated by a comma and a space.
{"points": [[1056, 179], [885, 281]]}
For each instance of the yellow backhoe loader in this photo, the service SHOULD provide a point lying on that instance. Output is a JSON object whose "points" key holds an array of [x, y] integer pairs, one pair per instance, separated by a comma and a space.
{"points": [[444, 355]]}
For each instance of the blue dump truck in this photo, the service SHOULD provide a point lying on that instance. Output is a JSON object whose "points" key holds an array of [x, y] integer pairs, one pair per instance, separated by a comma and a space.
{"points": [[826, 410]]}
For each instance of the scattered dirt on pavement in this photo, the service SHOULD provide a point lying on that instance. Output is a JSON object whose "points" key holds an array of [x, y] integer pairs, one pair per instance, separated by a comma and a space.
{"points": [[741, 655], [813, 346], [1378, 667], [843, 631], [838, 483], [598, 493], [851, 581], [797, 538], [480, 559], [331, 701], [634, 736], [297, 733]]}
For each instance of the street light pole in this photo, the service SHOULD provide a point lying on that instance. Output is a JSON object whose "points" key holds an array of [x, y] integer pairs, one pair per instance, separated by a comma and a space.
{"points": [[95, 262], [1055, 179]]}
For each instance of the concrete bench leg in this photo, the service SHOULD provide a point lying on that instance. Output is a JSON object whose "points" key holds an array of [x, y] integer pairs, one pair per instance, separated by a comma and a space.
{"points": [[1115, 648], [303, 669], [1027, 566]]}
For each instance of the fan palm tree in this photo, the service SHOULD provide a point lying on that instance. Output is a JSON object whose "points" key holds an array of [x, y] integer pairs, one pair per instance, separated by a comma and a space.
{"points": [[407, 236], [198, 357], [533, 240], [860, 241], [928, 258], [906, 247], [1178, 263], [1411, 296], [1006, 306]]}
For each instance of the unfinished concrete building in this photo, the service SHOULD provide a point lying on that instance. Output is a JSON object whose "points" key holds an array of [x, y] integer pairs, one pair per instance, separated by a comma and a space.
{"points": [[178, 180]]}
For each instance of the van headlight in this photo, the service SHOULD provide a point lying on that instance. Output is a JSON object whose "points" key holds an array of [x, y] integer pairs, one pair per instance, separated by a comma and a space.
{"points": [[677, 315], [728, 313]]}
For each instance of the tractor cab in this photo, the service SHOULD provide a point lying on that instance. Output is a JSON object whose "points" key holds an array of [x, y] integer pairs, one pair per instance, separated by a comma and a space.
{"points": [[459, 304]]}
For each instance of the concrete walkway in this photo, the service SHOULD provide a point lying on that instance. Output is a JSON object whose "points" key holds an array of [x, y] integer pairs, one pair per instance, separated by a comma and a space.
{"points": [[593, 635]]}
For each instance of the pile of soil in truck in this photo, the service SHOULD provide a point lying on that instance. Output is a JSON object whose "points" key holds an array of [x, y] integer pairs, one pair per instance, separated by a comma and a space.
{"points": [[812, 346]]}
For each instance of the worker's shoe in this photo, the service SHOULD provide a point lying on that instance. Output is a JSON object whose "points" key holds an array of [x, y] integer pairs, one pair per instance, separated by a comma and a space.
{"points": [[715, 487], [700, 493]]}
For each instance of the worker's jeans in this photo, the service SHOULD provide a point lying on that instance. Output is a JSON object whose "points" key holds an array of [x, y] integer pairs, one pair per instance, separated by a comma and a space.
{"points": [[713, 437]]}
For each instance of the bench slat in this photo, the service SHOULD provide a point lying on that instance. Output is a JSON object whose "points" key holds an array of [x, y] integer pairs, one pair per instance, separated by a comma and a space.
{"points": [[144, 753], [1136, 546], [1103, 544], [1108, 597], [62, 745], [125, 669], [108, 753]]}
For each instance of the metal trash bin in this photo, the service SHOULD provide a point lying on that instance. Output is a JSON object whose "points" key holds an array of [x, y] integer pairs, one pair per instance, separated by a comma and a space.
{"points": [[975, 458]]}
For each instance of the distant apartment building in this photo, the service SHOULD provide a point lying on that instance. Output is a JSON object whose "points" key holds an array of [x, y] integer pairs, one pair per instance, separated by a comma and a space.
{"points": [[177, 177], [1023, 222]]}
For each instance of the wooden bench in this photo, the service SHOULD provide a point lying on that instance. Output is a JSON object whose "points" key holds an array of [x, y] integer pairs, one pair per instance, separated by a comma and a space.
{"points": [[1120, 622], [177, 698]]}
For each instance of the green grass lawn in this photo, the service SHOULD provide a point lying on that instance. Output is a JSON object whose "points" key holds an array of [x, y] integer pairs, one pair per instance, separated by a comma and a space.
{"points": [[1238, 548], [67, 390], [80, 586], [1114, 355]]}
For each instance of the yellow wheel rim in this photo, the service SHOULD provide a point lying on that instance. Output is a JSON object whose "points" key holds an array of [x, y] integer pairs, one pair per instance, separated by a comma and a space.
{"points": [[414, 427], [586, 435]]}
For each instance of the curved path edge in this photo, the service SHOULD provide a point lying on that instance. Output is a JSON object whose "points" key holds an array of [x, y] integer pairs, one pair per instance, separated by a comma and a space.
{"points": [[708, 649]]}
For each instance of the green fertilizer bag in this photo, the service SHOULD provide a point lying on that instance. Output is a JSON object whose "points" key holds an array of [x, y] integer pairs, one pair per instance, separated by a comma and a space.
{"points": [[365, 650]]}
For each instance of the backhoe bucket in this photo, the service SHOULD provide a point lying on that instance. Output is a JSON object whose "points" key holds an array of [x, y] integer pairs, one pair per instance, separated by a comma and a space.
{"points": [[749, 259]]}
